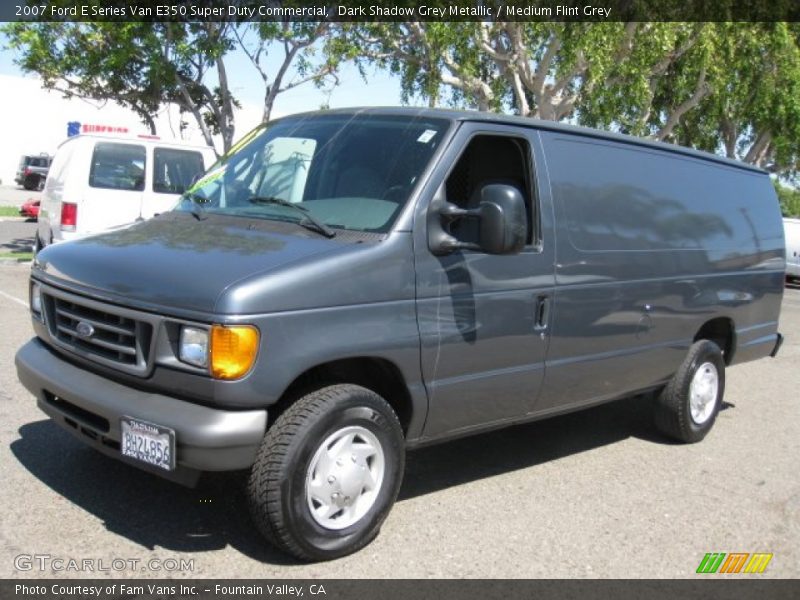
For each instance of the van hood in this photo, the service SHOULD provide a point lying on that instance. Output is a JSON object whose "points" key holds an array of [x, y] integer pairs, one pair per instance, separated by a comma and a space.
{"points": [[178, 261]]}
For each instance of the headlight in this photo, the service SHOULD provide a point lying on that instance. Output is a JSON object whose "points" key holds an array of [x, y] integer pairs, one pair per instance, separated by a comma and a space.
{"points": [[194, 346], [233, 350], [36, 298]]}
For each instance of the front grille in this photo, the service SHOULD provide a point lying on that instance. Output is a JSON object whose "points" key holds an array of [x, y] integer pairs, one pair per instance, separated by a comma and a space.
{"points": [[104, 334]]}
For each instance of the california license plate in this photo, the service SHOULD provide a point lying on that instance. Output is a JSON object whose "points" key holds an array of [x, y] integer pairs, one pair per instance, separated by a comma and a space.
{"points": [[148, 443]]}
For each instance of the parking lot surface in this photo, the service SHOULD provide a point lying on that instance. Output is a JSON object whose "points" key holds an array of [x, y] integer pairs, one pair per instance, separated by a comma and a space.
{"points": [[598, 493], [14, 195], [16, 234]]}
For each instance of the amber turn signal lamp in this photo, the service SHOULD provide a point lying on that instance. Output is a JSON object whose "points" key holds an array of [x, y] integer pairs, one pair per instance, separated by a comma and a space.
{"points": [[233, 350]]}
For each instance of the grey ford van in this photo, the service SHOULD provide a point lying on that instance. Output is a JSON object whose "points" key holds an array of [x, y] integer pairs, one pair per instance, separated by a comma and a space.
{"points": [[345, 285]]}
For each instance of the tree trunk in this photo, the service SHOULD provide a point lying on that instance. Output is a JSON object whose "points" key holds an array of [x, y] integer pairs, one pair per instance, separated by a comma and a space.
{"points": [[148, 121], [758, 151], [274, 88], [226, 126]]}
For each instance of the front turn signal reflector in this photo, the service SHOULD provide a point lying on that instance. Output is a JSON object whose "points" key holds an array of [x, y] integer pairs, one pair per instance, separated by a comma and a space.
{"points": [[233, 350]]}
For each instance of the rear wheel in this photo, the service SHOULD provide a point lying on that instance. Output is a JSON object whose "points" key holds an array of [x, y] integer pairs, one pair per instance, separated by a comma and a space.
{"points": [[33, 182], [328, 472], [687, 407]]}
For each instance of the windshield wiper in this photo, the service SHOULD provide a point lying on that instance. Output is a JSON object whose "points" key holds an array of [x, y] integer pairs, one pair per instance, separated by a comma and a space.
{"points": [[198, 212], [308, 221]]}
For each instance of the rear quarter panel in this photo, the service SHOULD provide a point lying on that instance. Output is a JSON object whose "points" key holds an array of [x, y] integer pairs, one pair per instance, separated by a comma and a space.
{"points": [[60, 187]]}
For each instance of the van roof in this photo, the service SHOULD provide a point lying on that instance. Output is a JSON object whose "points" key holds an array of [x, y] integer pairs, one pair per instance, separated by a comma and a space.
{"points": [[141, 138], [528, 122]]}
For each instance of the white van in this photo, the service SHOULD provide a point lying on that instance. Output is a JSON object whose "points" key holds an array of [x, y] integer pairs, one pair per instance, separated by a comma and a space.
{"points": [[791, 229], [99, 181]]}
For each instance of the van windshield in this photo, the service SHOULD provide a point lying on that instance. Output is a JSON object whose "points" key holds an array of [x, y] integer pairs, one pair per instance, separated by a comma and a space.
{"points": [[346, 171]]}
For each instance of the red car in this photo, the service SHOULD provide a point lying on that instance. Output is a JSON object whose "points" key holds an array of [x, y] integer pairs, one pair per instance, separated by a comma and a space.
{"points": [[30, 209]]}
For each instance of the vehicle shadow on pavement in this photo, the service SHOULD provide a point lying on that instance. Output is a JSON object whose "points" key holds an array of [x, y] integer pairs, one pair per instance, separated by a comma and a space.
{"points": [[17, 245], [433, 468], [153, 512], [144, 508]]}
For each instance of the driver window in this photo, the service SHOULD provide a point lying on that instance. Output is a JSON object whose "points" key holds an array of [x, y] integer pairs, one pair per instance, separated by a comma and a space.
{"points": [[488, 159]]}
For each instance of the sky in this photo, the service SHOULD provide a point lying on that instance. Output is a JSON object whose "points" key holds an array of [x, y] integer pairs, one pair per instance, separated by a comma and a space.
{"points": [[34, 120]]}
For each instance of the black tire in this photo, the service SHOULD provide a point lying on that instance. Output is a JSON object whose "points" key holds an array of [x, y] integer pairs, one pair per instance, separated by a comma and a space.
{"points": [[37, 244], [673, 413], [276, 489], [33, 183]]}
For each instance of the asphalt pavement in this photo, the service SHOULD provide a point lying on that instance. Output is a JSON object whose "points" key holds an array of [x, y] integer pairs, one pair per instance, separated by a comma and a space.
{"points": [[598, 493], [14, 195], [16, 234]]}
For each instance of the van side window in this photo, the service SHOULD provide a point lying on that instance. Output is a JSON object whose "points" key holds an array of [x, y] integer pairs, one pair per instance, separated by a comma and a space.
{"points": [[174, 170], [618, 197], [117, 167], [490, 159]]}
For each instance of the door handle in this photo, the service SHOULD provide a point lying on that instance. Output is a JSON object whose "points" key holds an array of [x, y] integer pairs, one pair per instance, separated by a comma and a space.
{"points": [[542, 314]]}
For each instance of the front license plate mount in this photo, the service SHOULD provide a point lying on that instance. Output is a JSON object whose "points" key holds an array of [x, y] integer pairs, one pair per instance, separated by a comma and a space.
{"points": [[148, 443]]}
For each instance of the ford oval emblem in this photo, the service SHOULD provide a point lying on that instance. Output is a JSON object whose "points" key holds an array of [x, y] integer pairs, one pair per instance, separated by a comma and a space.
{"points": [[84, 329]]}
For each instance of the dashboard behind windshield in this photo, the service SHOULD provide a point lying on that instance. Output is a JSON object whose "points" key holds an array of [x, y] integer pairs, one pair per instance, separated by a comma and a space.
{"points": [[349, 171]]}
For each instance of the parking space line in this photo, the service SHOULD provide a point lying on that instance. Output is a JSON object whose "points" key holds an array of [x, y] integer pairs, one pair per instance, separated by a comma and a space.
{"points": [[14, 299]]}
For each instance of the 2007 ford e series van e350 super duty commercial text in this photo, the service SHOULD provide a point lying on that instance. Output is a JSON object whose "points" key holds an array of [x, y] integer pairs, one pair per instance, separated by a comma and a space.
{"points": [[348, 284]]}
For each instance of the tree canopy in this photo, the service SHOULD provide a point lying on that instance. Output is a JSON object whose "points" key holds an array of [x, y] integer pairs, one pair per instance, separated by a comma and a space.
{"points": [[729, 88], [144, 66], [789, 199]]}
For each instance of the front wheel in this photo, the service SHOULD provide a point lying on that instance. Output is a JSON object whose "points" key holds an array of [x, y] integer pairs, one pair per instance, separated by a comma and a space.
{"points": [[327, 473], [687, 407]]}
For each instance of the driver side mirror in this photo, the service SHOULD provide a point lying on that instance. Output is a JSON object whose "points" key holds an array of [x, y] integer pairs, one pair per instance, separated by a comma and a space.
{"points": [[502, 222]]}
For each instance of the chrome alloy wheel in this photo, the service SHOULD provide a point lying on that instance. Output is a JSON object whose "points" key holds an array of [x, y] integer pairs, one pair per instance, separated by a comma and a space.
{"points": [[703, 392], [344, 477]]}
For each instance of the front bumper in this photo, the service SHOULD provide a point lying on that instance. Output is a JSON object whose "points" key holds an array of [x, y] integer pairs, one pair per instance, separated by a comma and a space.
{"points": [[90, 406]]}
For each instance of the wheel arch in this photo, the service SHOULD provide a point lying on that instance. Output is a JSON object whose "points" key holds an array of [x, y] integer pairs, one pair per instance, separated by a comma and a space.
{"points": [[374, 373], [721, 331]]}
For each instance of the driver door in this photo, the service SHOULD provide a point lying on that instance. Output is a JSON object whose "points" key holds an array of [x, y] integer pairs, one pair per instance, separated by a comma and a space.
{"points": [[484, 319]]}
